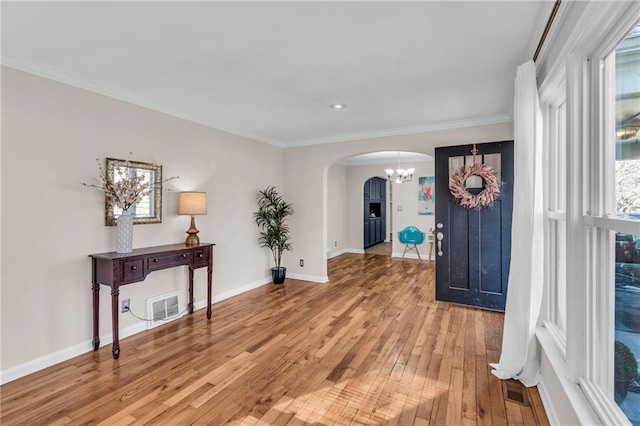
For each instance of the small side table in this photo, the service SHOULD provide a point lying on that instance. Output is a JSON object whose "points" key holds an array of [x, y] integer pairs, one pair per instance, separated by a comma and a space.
{"points": [[118, 269]]}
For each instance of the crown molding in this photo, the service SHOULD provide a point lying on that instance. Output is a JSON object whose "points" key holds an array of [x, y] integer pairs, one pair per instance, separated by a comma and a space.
{"points": [[81, 82], [399, 131], [359, 161]]}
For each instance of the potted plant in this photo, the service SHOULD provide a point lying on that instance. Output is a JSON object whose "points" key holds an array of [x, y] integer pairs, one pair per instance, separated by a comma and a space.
{"points": [[271, 218], [626, 371]]}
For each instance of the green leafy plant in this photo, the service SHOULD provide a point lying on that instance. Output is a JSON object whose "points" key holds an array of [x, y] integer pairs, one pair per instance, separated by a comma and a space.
{"points": [[273, 211], [626, 365]]}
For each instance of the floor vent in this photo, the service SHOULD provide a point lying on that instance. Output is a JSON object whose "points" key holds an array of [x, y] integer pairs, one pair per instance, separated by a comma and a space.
{"points": [[163, 308], [515, 391]]}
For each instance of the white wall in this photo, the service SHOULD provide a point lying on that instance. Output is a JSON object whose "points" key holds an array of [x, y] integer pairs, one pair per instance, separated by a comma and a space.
{"points": [[405, 195], [306, 177], [337, 198], [51, 135]]}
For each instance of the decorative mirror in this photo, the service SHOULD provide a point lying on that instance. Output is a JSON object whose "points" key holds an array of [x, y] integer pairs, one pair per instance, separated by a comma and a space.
{"points": [[149, 208]]}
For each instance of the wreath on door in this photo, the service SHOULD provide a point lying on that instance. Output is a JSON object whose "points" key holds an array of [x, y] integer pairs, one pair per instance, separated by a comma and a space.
{"points": [[490, 191]]}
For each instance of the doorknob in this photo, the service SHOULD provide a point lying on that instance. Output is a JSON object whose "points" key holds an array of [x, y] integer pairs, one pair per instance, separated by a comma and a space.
{"points": [[439, 226], [439, 237]]}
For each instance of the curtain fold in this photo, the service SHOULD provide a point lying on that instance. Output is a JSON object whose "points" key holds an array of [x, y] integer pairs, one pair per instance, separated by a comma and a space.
{"points": [[519, 358]]}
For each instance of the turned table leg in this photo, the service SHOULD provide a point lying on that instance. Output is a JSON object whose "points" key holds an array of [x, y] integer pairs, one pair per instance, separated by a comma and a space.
{"points": [[209, 271], [96, 315], [115, 291], [190, 304]]}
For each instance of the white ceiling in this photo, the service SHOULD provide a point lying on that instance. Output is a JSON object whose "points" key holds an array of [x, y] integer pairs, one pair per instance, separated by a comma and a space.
{"points": [[385, 157], [270, 70]]}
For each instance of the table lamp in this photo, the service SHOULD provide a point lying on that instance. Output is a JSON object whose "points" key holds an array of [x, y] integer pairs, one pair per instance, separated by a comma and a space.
{"points": [[192, 203]]}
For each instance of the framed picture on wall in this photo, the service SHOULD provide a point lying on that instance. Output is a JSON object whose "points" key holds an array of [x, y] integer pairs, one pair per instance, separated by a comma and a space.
{"points": [[426, 195]]}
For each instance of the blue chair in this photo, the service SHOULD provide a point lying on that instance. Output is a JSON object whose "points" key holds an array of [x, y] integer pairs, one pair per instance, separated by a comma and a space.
{"points": [[411, 237]]}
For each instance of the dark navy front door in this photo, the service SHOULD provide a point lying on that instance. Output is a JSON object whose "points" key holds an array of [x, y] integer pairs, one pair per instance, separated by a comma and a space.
{"points": [[473, 250]]}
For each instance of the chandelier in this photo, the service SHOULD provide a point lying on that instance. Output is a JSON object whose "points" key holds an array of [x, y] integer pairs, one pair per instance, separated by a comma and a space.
{"points": [[399, 175]]}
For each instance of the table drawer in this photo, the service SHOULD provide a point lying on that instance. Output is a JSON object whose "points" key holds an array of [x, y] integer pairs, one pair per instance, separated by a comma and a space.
{"points": [[169, 260], [132, 271], [200, 257]]}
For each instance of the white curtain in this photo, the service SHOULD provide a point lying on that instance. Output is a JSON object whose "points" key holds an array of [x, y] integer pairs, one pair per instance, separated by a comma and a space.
{"points": [[519, 357]]}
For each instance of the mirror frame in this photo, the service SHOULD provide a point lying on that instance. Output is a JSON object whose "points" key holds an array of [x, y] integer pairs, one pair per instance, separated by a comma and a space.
{"points": [[156, 190]]}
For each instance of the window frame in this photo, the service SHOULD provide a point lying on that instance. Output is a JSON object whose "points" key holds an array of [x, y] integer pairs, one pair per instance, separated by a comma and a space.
{"points": [[553, 100], [591, 222], [583, 72]]}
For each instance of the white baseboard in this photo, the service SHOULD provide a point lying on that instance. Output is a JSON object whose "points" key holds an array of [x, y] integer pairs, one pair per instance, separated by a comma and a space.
{"points": [[46, 361], [311, 278], [343, 251], [231, 293], [43, 362], [333, 254], [549, 409], [355, 251], [565, 402]]}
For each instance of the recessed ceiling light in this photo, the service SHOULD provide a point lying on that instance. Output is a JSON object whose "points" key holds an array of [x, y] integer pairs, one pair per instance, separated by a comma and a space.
{"points": [[338, 106]]}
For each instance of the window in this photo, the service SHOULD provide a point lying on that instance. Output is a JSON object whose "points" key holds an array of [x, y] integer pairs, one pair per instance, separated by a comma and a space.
{"points": [[627, 246], [590, 97], [555, 115]]}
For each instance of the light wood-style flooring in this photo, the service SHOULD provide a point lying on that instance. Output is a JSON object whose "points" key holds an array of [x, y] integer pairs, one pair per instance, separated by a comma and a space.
{"points": [[381, 248], [369, 347]]}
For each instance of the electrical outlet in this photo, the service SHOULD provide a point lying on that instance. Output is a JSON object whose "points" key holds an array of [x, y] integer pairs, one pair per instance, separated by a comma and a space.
{"points": [[302, 262], [125, 305], [336, 244]]}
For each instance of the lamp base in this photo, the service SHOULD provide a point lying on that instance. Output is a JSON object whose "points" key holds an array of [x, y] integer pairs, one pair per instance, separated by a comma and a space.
{"points": [[192, 238]]}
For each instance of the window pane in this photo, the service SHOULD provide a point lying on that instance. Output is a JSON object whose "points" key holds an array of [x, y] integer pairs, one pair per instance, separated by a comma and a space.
{"points": [[627, 126], [627, 253], [562, 157], [627, 336], [561, 276]]}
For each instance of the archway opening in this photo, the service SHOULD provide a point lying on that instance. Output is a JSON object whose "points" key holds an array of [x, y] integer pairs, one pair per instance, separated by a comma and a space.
{"points": [[347, 209]]}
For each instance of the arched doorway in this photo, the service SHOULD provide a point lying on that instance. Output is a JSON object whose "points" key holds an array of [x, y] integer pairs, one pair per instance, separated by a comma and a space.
{"points": [[345, 207]]}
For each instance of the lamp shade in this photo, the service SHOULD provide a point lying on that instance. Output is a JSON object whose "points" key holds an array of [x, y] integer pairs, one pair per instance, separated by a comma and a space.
{"points": [[192, 203]]}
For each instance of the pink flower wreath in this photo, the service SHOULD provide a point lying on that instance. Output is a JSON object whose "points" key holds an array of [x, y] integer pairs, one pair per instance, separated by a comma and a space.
{"points": [[486, 197]]}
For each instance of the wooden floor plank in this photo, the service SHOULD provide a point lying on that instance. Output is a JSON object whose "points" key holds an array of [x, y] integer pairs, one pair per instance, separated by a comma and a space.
{"points": [[372, 346]]}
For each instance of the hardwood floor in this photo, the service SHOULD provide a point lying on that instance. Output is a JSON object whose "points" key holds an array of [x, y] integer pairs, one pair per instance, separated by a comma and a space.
{"points": [[369, 347], [380, 248]]}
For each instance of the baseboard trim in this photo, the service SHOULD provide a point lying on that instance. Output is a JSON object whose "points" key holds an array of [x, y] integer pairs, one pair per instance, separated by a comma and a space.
{"points": [[333, 254], [312, 278], [235, 292], [549, 409], [567, 402], [354, 251], [46, 361]]}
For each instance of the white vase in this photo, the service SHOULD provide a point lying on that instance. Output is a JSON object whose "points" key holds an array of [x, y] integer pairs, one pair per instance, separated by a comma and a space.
{"points": [[124, 238]]}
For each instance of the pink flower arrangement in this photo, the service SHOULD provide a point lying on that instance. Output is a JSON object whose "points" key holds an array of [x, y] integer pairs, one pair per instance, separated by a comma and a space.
{"points": [[127, 187], [486, 197]]}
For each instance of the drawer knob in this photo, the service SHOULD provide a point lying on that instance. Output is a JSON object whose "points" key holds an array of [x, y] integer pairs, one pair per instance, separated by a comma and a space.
{"points": [[134, 268], [156, 260], [184, 255], [201, 255]]}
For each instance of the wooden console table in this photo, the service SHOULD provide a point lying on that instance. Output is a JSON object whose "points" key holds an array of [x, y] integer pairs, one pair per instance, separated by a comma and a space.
{"points": [[115, 270]]}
